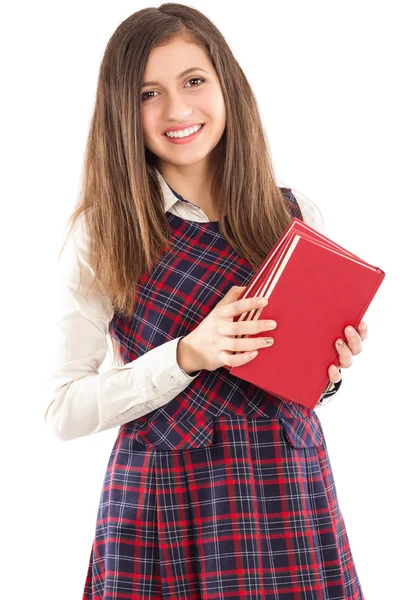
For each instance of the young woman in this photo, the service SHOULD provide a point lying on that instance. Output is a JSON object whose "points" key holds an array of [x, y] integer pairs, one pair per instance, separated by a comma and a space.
{"points": [[214, 488]]}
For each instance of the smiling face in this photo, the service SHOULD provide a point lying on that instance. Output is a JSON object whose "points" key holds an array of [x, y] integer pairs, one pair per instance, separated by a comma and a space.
{"points": [[179, 100]]}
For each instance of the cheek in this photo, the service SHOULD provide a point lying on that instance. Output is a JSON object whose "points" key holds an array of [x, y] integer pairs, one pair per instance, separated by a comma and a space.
{"points": [[216, 108], [150, 123], [149, 132], [146, 124]]}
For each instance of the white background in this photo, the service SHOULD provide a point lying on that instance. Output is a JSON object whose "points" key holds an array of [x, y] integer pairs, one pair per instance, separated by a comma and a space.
{"points": [[326, 79]]}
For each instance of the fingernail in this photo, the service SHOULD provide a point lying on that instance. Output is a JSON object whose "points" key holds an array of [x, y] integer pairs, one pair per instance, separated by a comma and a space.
{"points": [[262, 301], [340, 343], [350, 330], [363, 326]]}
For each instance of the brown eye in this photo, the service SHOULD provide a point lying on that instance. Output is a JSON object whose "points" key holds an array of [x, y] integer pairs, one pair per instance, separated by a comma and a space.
{"points": [[144, 97], [197, 79]]}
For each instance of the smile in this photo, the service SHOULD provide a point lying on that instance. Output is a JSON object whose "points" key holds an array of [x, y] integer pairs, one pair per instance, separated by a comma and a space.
{"points": [[185, 135]]}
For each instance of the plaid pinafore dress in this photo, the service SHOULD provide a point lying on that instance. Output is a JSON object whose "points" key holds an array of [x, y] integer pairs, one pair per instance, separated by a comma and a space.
{"points": [[225, 492]]}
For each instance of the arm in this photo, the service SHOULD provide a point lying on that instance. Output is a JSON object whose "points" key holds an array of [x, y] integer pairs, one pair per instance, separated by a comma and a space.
{"points": [[80, 400]]}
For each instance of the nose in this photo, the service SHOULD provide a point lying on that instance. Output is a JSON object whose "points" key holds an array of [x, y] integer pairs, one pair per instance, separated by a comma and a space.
{"points": [[177, 107]]}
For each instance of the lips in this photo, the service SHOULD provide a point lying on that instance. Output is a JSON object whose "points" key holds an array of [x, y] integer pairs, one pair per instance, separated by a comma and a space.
{"points": [[185, 139], [181, 128]]}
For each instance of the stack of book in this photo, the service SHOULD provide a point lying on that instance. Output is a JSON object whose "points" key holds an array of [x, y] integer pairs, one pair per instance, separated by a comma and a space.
{"points": [[315, 288]]}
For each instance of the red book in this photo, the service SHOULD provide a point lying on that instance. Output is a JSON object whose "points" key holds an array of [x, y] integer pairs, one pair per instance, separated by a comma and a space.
{"points": [[315, 288]]}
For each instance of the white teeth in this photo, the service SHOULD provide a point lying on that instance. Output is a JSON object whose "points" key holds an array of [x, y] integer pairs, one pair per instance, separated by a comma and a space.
{"points": [[183, 132]]}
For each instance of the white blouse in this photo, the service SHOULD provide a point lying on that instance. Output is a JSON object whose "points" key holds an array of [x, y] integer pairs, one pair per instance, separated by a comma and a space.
{"points": [[81, 401]]}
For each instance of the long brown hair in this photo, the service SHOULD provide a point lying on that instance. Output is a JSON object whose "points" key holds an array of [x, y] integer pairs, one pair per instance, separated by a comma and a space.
{"points": [[120, 192]]}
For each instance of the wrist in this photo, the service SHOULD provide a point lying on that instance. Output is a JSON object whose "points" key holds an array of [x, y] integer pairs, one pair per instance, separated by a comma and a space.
{"points": [[186, 357]]}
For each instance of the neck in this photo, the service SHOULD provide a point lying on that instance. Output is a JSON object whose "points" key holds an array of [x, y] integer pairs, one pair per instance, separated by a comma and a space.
{"points": [[192, 182]]}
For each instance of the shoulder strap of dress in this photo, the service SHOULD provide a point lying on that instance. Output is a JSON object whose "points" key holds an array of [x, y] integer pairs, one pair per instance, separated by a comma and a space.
{"points": [[292, 203]]}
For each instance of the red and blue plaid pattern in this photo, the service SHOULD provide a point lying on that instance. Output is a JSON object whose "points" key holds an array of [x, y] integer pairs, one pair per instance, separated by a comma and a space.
{"points": [[225, 492]]}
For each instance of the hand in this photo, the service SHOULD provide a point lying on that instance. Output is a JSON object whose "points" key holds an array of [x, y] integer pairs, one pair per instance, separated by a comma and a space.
{"points": [[212, 344], [347, 351]]}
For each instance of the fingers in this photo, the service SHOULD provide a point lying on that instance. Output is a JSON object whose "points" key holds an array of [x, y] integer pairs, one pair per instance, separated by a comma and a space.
{"points": [[347, 350], [345, 354], [363, 330], [241, 328], [240, 306], [354, 341], [334, 374]]}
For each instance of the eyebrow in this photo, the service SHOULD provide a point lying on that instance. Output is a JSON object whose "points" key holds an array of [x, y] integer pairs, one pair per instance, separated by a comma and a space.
{"points": [[185, 72]]}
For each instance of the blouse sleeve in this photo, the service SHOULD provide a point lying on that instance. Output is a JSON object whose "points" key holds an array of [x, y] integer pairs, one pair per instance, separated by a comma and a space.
{"points": [[313, 217], [80, 400]]}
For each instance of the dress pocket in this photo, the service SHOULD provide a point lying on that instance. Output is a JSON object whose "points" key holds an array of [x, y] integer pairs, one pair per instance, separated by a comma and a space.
{"points": [[302, 432], [166, 434]]}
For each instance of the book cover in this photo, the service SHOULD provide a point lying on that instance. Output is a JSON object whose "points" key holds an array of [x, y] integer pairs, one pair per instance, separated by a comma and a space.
{"points": [[315, 289]]}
